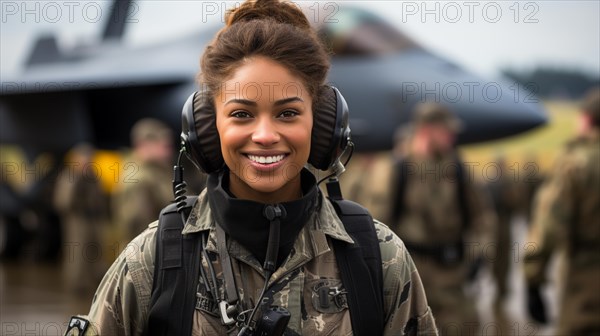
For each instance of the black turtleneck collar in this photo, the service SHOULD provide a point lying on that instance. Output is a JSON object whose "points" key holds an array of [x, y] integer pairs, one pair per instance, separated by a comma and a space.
{"points": [[244, 220]]}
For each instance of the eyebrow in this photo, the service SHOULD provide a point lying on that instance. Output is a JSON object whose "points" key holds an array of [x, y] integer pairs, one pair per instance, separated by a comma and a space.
{"points": [[288, 100], [253, 103], [241, 101]]}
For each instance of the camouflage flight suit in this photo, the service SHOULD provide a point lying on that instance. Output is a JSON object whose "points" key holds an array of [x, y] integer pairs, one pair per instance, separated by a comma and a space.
{"points": [[504, 196], [145, 189], [120, 306], [567, 219], [443, 248], [83, 207]]}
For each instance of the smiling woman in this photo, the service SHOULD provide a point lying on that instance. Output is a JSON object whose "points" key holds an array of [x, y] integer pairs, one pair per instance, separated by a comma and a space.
{"points": [[324, 265], [265, 141]]}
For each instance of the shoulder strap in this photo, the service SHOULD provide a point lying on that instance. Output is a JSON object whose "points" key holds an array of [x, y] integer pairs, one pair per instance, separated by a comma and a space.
{"points": [[177, 259], [397, 205], [360, 266]]}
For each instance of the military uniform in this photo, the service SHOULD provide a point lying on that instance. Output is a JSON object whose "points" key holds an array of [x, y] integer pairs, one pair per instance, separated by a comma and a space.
{"points": [[511, 196], [366, 182], [120, 305], [145, 180], [503, 195], [443, 217], [140, 198], [83, 207], [442, 244], [567, 218]]}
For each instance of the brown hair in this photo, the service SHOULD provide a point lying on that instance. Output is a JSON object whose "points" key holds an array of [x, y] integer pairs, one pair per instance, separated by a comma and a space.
{"points": [[270, 28], [591, 105]]}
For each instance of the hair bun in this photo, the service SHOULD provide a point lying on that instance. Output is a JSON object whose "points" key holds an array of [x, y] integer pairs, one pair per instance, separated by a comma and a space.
{"points": [[274, 10]]}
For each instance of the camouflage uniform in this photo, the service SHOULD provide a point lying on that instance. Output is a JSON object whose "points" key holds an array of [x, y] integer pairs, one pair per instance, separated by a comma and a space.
{"points": [[366, 182], [444, 220], [512, 196], [120, 306], [83, 207], [431, 220], [567, 218], [140, 198], [145, 187], [503, 195]]}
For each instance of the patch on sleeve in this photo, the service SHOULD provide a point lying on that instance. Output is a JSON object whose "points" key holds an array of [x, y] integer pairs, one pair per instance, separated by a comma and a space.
{"points": [[77, 326]]}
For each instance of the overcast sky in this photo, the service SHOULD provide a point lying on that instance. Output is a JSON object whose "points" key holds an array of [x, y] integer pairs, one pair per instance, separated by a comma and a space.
{"points": [[562, 34], [482, 36]]}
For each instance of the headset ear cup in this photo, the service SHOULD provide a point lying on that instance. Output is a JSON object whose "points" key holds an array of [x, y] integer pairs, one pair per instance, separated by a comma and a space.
{"points": [[199, 133], [331, 132], [329, 138]]}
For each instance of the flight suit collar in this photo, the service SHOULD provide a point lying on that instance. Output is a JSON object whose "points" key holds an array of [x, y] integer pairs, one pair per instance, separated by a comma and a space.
{"points": [[248, 222], [200, 218], [310, 243]]}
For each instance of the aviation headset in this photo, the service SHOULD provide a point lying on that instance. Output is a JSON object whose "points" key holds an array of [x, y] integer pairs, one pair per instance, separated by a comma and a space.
{"points": [[329, 137]]}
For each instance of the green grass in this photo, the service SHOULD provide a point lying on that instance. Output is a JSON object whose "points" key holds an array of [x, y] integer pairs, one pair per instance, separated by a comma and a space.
{"points": [[540, 145]]}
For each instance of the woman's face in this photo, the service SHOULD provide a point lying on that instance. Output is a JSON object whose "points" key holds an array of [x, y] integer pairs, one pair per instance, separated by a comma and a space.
{"points": [[264, 119]]}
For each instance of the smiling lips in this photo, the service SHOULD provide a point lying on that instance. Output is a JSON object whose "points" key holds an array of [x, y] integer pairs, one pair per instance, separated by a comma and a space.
{"points": [[266, 159]]}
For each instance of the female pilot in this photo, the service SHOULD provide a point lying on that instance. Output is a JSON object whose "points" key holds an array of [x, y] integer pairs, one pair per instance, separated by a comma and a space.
{"points": [[264, 78]]}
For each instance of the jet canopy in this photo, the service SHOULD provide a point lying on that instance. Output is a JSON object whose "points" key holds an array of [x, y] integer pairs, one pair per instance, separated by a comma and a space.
{"points": [[352, 31]]}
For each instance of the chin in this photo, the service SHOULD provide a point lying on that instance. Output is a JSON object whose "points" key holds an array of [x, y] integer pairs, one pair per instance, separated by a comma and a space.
{"points": [[267, 184]]}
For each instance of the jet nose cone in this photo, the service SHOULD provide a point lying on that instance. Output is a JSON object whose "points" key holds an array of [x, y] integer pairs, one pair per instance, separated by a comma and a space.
{"points": [[488, 109], [500, 109]]}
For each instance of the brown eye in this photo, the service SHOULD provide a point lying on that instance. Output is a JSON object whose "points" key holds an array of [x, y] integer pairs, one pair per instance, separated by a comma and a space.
{"points": [[241, 114], [288, 114]]}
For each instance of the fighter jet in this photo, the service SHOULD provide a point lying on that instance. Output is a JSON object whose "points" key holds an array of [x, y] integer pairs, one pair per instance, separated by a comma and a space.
{"points": [[95, 93]]}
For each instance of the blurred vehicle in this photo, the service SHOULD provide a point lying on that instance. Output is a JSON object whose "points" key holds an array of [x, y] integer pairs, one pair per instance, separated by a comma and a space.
{"points": [[96, 92]]}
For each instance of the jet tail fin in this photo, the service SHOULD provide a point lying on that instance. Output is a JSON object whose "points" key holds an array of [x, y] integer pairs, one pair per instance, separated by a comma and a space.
{"points": [[45, 50], [115, 26]]}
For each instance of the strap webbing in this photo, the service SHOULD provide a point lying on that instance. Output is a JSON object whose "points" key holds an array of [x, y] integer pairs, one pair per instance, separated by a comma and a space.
{"points": [[361, 268], [230, 286], [177, 260]]}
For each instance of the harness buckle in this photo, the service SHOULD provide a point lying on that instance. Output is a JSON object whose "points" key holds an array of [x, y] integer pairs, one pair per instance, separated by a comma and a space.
{"points": [[226, 310]]}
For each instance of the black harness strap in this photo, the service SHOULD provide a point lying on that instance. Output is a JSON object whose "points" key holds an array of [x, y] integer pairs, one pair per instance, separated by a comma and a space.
{"points": [[177, 260], [177, 270], [397, 207], [361, 268]]}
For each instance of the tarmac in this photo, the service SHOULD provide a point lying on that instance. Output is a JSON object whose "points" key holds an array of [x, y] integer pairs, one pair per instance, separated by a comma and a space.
{"points": [[34, 300]]}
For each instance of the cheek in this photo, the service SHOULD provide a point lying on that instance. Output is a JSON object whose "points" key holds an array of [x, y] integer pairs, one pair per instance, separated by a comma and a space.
{"points": [[230, 139], [301, 137], [227, 137]]}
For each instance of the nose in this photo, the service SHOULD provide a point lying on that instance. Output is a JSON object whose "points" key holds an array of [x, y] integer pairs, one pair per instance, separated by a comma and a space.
{"points": [[266, 133]]}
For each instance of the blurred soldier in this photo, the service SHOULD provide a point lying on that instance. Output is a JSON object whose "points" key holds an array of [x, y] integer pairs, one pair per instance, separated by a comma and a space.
{"points": [[146, 188], [441, 216], [529, 183], [504, 193], [365, 182], [567, 218], [512, 195], [367, 178], [83, 208]]}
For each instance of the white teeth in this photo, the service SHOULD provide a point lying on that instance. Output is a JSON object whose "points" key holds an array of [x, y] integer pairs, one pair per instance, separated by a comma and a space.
{"points": [[266, 159]]}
